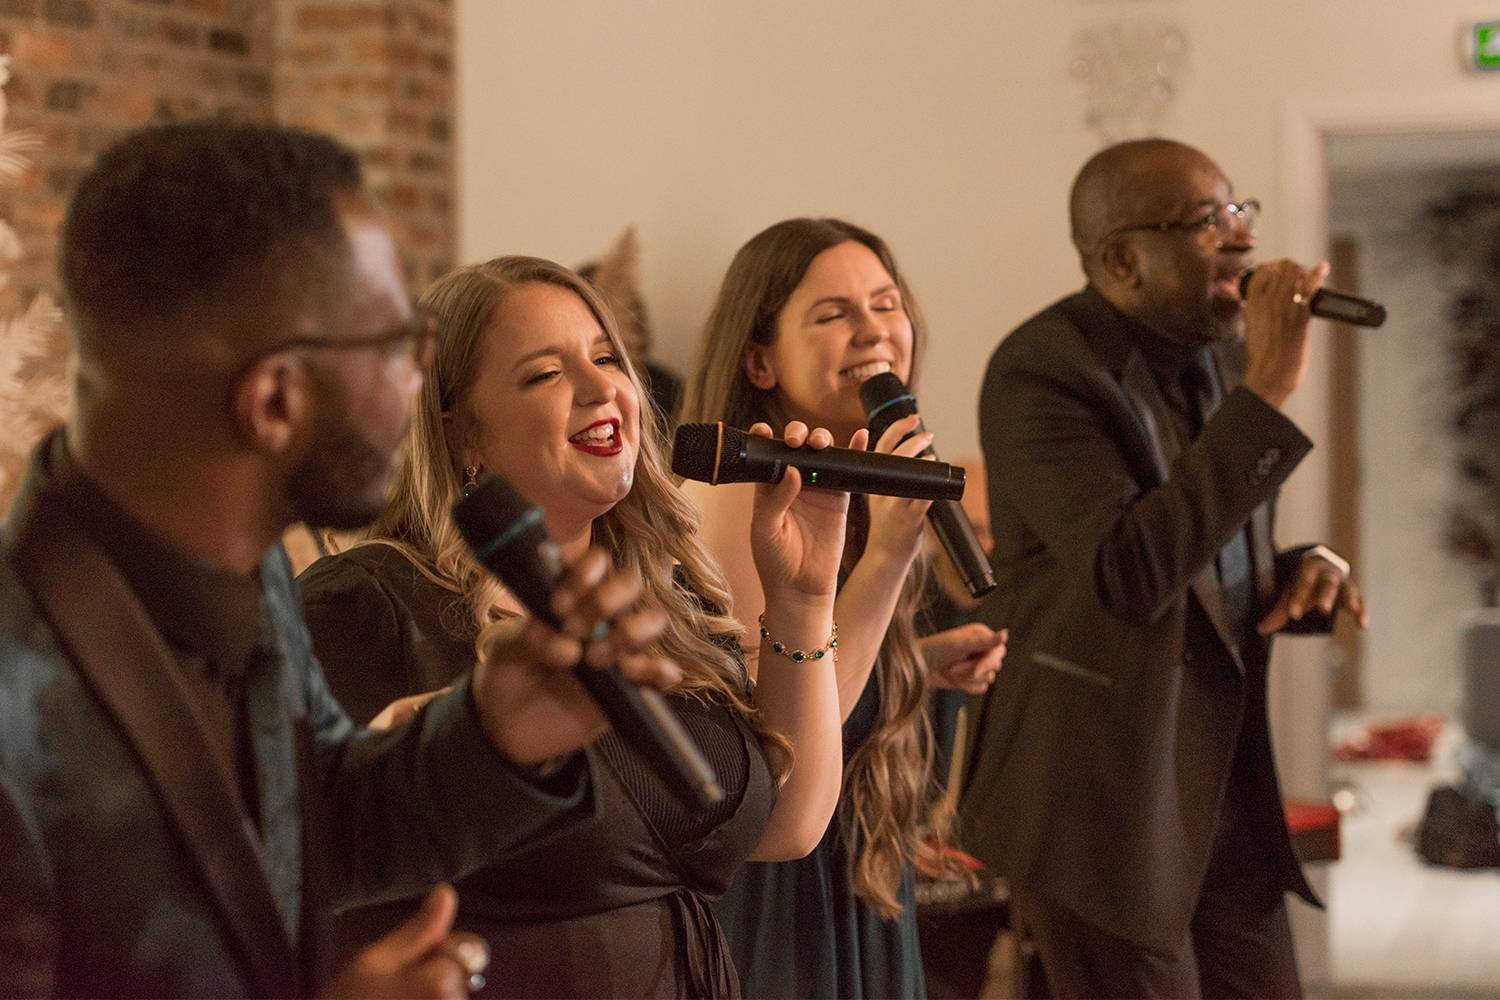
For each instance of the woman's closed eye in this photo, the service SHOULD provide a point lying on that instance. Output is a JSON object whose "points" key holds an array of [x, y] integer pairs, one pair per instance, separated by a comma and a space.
{"points": [[607, 360], [883, 305], [543, 376]]}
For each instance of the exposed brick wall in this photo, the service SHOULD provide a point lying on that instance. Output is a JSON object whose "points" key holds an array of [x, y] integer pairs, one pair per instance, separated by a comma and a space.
{"points": [[375, 73], [380, 76], [83, 72]]}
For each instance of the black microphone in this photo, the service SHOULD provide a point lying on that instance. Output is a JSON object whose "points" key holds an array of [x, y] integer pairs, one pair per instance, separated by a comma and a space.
{"points": [[714, 454], [506, 533], [1340, 307], [886, 401]]}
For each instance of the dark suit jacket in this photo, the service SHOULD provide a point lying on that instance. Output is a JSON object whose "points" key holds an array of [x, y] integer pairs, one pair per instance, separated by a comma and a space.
{"points": [[127, 867], [1103, 752]]}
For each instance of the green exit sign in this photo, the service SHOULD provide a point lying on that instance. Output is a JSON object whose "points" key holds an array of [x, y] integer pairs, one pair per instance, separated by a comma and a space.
{"points": [[1484, 45]]}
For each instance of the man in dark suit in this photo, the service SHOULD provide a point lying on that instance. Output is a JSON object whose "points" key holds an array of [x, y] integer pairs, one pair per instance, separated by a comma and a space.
{"points": [[1121, 776], [181, 799]]}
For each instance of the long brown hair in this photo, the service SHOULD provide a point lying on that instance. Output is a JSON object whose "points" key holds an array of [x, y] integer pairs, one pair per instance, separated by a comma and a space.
{"points": [[661, 547], [888, 808]]}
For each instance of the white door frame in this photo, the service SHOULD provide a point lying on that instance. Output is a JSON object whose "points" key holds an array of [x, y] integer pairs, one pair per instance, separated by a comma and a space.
{"points": [[1300, 697], [1301, 682]]}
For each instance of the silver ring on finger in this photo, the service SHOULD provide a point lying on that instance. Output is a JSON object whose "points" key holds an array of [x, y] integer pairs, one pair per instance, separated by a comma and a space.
{"points": [[1298, 298]]}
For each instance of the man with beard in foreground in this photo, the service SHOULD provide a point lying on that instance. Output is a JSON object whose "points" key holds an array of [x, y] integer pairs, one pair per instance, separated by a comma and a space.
{"points": [[181, 799], [1121, 775]]}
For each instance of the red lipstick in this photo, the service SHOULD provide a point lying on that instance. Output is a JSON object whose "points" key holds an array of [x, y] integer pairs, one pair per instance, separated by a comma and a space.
{"points": [[600, 445]]}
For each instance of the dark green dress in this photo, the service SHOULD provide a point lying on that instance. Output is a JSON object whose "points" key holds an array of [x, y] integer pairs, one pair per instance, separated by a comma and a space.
{"points": [[796, 928]]}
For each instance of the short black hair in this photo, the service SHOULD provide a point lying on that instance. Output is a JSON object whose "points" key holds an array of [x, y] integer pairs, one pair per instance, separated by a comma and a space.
{"points": [[173, 214]]}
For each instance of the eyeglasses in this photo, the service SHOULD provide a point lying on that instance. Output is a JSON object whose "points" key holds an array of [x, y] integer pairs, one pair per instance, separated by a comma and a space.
{"points": [[1219, 221], [417, 337]]}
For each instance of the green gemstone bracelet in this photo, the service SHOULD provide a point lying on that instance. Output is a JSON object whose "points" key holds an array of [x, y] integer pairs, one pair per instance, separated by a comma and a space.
{"points": [[831, 647]]}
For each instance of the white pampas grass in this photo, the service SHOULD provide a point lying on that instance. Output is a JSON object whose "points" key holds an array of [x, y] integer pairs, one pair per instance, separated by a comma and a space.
{"points": [[33, 385]]}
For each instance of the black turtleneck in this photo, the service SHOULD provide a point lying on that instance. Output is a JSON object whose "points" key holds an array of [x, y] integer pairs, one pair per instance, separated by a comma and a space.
{"points": [[209, 618], [1168, 360]]}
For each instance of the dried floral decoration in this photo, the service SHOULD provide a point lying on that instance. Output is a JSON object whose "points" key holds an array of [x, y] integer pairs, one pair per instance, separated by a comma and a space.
{"points": [[33, 385], [1464, 229], [1130, 71], [617, 275]]}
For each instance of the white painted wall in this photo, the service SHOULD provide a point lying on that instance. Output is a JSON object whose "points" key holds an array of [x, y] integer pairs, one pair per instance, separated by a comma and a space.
{"points": [[952, 128]]}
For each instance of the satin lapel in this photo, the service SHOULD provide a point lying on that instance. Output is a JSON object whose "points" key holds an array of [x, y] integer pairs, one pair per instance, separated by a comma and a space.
{"points": [[1229, 362], [1206, 589], [119, 653], [1145, 396], [276, 774], [299, 867], [314, 930], [1156, 438]]}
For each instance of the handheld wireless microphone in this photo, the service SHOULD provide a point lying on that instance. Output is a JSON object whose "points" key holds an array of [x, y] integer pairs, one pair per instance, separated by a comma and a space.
{"points": [[1338, 306], [506, 533], [714, 454], [886, 401]]}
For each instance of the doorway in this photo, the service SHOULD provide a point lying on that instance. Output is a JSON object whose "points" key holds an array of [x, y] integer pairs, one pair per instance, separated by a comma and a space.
{"points": [[1397, 927]]}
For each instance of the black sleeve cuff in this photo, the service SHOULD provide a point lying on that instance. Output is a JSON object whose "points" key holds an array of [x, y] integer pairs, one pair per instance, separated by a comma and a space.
{"points": [[471, 753]]}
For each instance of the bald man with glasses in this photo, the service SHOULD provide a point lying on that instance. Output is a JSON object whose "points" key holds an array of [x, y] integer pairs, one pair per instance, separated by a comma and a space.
{"points": [[1121, 776]]}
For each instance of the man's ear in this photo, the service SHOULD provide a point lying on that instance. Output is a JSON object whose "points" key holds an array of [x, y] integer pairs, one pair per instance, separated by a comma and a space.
{"points": [[758, 368], [271, 402], [1119, 261]]}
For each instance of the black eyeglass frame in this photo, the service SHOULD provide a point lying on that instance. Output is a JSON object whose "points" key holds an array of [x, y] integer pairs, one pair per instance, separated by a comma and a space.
{"points": [[418, 333], [1244, 212]]}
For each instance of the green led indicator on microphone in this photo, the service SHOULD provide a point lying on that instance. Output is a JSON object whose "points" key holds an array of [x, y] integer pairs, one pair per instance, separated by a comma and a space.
{"points": [[812, 478]]}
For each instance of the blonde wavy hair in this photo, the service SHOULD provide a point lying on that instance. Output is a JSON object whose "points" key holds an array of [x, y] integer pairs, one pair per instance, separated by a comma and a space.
{"points": [[890, 808], [678, 573]]}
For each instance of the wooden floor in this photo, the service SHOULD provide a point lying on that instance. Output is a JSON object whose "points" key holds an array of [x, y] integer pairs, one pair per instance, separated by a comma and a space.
{"points": [[1397, 927]]}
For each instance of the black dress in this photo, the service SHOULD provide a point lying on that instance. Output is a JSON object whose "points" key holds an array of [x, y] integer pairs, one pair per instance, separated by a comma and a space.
{"points": [[616, 906]]}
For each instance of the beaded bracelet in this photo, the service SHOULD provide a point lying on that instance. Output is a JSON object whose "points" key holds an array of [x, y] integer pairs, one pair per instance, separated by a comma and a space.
{"points": [[797, 655]]}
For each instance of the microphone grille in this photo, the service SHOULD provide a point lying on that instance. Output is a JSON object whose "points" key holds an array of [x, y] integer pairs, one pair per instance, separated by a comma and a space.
{"points": [[490, 511], [882, 388], [886, 401], [693, 449], [699, 452]]}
